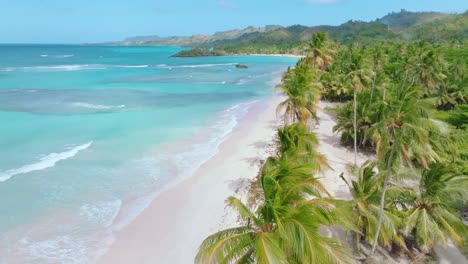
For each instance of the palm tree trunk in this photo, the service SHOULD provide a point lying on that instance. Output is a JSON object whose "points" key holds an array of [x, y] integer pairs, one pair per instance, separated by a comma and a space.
{"points": [[373, 87], [355, 129], [382, 199]]}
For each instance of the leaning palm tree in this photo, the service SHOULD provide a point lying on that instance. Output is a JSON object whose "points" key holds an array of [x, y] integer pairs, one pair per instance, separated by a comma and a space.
{"points": [[298, 86], [282, 228], [401, 136], [366, 193], [430, 217]]}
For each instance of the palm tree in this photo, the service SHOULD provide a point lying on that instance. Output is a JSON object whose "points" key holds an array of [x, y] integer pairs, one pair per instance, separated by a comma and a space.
{"points": [[364, 119], [300, 106], [401, 136], [427, 68], [359, 76], [319, 55], [378, 61], [430, 217], [298, 144], [283, 228], [366, 193], [283, 225]]}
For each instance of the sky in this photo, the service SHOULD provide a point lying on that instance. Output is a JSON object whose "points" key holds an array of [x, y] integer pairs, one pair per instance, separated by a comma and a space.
{"points": [[86, 21]]}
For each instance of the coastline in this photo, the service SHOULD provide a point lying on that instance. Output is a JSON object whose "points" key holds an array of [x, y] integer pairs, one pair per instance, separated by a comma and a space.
{"points": [[172, 227]]}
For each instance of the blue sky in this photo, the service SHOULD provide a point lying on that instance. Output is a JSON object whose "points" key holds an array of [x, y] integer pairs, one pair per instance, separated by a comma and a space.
{"points": [[78, 21]]}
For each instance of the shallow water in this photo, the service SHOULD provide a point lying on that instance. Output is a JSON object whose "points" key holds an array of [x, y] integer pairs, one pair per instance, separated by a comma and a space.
{"points": [[92, 133]]}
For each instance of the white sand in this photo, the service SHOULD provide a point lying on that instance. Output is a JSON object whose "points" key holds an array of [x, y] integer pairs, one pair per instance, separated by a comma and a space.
{"points": [[339, 157]]}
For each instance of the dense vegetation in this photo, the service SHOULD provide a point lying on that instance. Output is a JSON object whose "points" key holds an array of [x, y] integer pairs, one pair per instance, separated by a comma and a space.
{"points": [[405, 201], [198, 53]]}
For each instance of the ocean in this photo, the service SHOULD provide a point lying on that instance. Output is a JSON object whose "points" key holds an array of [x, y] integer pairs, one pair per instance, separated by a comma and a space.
{"points": [[91, 134]]}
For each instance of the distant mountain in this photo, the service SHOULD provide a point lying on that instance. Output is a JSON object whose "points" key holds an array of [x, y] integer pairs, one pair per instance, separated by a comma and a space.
{"points": [[403, 25], [398, 21], [143, 39], [195, 39], [446, 28]]}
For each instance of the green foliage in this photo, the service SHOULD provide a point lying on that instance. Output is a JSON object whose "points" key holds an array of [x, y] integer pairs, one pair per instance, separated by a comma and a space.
{"points": [[302, 94], [198, 53], [429, 215]]}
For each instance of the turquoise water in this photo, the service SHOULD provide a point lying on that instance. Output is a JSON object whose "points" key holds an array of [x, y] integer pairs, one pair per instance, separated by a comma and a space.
{"points": [[89, 135]]}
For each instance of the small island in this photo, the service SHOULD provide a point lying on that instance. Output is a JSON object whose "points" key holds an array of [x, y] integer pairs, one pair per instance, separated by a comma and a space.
{"points": [[199, 53], [241, 66]]}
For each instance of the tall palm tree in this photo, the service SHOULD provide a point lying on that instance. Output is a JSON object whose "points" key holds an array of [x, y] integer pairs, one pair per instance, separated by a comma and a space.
{"points": [[298, 144], [430, 217], [300, 106], [359, 76], [366, 193], [378, 60], [319, 53], [401, 136], [427, 68]]}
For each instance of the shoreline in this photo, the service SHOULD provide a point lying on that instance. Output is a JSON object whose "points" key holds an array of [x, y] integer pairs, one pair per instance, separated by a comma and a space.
{"points": [[175, 223]]}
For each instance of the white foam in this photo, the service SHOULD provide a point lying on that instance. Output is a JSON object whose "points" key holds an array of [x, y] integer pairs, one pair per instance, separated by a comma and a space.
{"points": [[186, 162], [132, 66], [45, 162], [44, 55], [72, 67], [102, 213], [65, 56], [96, 106], [61, 249]]}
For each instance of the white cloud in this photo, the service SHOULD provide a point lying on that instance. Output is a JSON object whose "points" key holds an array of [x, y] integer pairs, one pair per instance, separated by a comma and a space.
{"points": [[227, 4]]}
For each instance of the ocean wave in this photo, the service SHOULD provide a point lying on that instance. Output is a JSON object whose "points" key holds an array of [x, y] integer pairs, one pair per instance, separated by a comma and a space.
{"points": [[96, 106], [57, 56], [46, 162], [71, 67], [130, 66]]}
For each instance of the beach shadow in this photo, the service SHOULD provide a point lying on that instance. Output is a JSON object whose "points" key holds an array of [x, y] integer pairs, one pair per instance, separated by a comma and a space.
{"points": [[240, 185], [254, 161], [332, 140]]}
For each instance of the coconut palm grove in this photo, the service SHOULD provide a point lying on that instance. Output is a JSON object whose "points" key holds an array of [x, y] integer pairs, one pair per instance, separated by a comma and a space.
{"points": [[401, 102]]}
